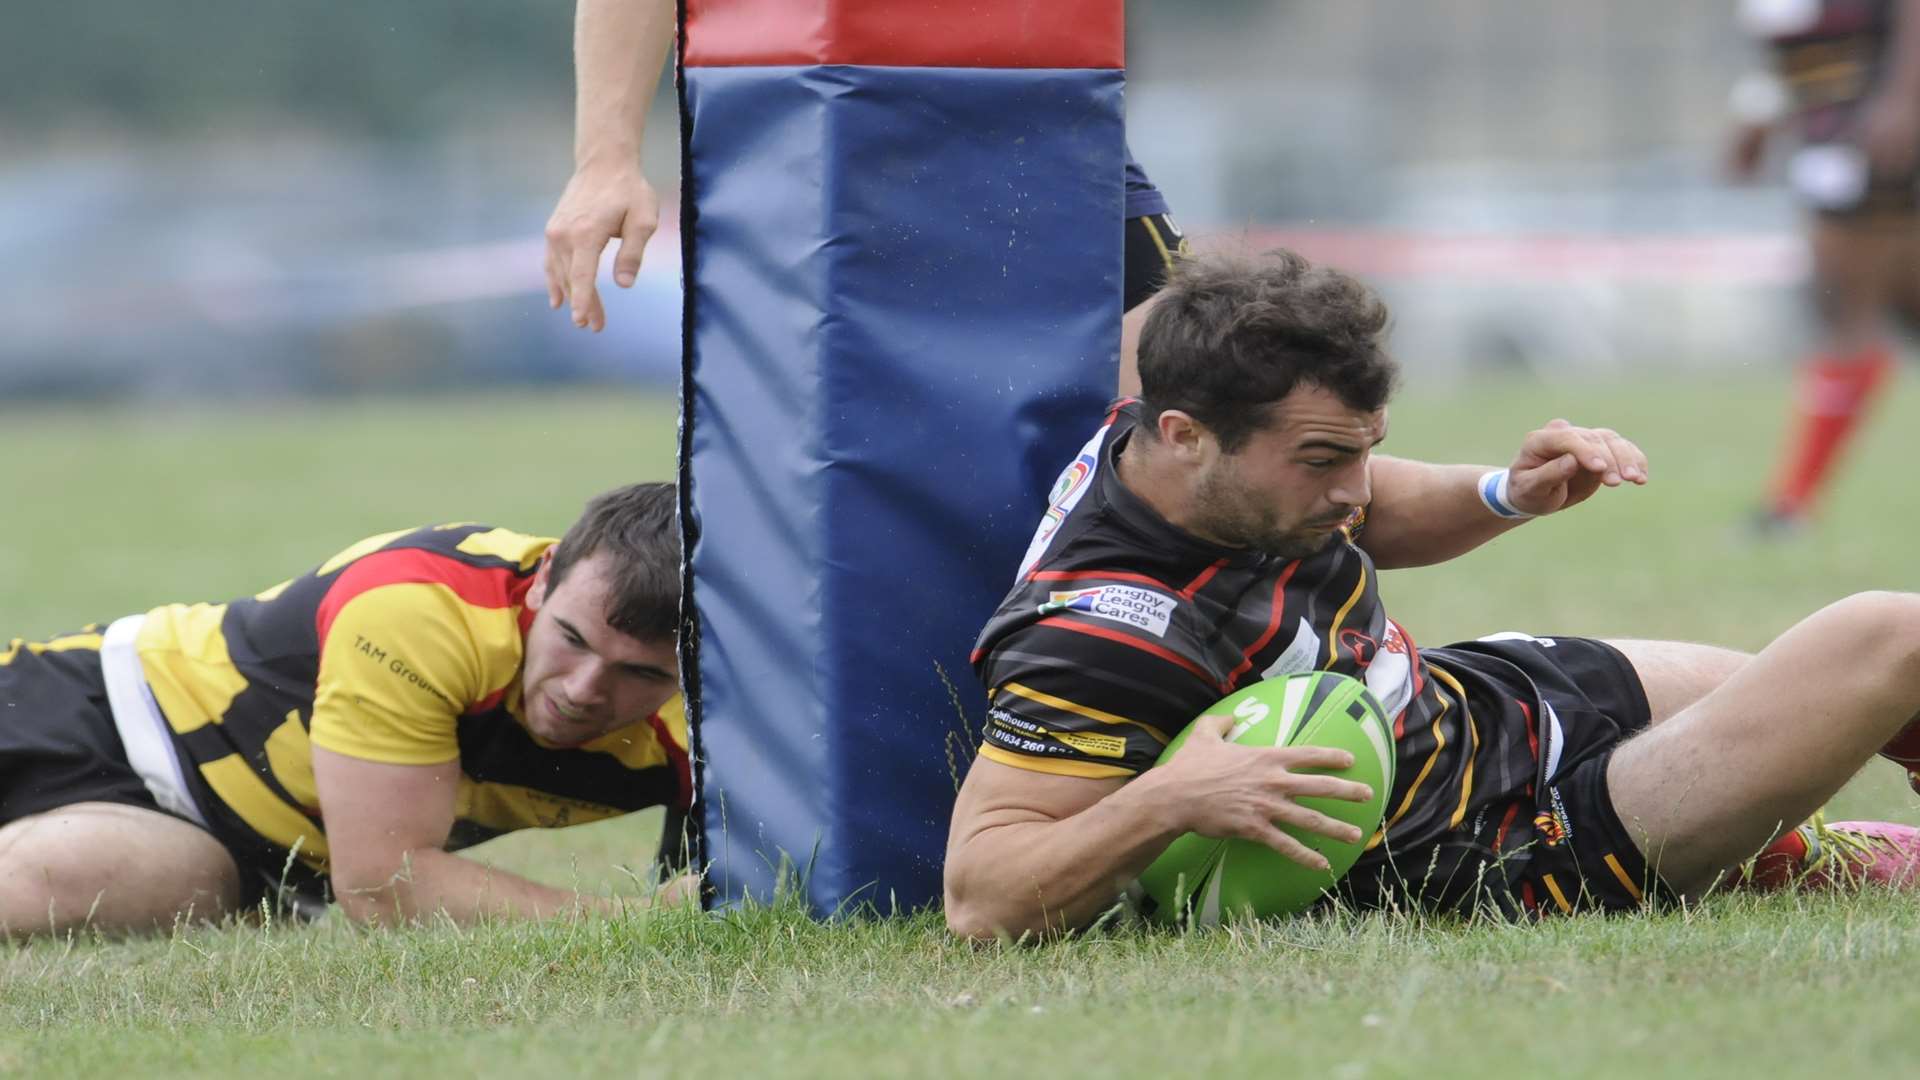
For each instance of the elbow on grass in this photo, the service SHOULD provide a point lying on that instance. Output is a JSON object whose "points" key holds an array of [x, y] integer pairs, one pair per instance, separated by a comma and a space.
{"points": [[367, 905], [970, 921], [371, 899], [967, 923]]}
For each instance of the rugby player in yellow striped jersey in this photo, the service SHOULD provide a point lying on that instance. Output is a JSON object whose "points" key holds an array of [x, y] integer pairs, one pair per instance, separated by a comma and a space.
{"points": [[341, 734]]}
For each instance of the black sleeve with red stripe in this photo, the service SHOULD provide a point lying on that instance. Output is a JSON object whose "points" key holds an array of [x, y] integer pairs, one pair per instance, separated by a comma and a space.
{"points": [[1061, 693]]}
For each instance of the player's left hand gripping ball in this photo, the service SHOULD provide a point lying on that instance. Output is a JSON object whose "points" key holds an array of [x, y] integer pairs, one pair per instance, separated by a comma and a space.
{"points": [[1206, 879]]}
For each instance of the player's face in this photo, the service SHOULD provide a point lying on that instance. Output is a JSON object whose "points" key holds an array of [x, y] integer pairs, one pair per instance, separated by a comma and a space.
{"points": [[582, 677], [1289, 488]]}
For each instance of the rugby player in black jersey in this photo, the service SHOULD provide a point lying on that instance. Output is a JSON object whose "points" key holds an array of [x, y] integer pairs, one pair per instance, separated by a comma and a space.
{"points": [[1228, 525]]}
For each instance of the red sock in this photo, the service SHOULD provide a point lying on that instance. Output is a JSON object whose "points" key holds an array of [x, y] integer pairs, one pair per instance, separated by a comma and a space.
{"points": [[1776, 867], [1835, 393]]}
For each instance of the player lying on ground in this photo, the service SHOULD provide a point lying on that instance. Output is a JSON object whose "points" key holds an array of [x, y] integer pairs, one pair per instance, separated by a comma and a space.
{"points": [[419, 692], [1228, 527]]}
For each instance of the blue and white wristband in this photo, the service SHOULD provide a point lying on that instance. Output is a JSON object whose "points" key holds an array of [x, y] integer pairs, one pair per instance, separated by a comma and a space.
{"points": [[1493, 492]]}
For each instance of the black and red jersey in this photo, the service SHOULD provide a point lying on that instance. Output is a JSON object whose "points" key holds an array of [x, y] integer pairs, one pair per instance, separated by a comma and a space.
{"points": [[1831, 54], [1121, 628]]}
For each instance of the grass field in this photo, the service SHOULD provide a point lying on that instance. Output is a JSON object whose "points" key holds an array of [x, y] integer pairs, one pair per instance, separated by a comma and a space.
{"points": [[103, 513]]}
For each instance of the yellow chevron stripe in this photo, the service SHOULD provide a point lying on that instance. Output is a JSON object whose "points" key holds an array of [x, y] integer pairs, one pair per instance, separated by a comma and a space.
{"points": [[1473, 745], [1558, 896], [60, 644], [290, 757], [1439, 743], [1153, 232], [1087, 769], [507, 545], [1082, 710], [1333, 632], [1620, 872], [184, 654], [249, 796], [365, 547]]}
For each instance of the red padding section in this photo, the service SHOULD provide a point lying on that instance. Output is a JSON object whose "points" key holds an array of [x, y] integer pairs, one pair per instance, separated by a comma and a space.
{"points": [[906, 33]]}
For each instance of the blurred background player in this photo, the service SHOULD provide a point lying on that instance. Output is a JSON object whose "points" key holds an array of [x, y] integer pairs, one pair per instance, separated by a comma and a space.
{"points": [[620, 48], [1847, 74]]}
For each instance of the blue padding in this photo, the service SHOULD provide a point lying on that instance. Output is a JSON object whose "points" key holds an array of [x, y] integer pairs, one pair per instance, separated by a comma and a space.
{"points": [[904, 303]]}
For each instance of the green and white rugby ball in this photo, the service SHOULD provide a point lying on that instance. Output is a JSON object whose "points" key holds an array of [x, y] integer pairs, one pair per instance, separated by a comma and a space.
{"points": [[1206, 880]]}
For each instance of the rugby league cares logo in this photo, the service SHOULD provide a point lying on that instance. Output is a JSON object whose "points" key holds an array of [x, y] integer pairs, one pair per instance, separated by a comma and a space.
{"points": [[1142, 609]]}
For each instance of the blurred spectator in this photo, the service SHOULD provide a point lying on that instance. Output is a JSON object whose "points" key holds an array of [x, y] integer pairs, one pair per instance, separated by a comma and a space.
{"points": [[1847, 78]]}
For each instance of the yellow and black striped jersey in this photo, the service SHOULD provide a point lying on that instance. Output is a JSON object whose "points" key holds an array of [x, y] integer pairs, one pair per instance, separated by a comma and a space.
{"points": [[405, 648]]}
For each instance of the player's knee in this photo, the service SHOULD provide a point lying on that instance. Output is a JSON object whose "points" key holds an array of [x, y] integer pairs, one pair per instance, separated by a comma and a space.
{"points": [[39, 896], [69, 868], [1884, 630]]}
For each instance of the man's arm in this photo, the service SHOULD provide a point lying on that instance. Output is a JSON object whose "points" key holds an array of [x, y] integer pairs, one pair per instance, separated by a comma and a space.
{"points": [[1890, 122], [386, 826], [1423, 514], [1033, 852], [619, 49]]}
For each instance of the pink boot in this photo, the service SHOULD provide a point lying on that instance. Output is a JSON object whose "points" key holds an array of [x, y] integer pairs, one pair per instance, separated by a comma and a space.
{"points": [[1845, 854]]}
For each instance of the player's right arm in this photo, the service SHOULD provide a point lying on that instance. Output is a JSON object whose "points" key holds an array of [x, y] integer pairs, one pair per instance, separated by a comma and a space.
{"points": [[619, 48], [385, 826], [1036, 852], [402, 656], [1890, 122]]}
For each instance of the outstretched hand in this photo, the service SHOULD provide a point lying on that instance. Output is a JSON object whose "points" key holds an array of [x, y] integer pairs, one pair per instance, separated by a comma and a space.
{"points": [[1561, 465], [597, 206]]}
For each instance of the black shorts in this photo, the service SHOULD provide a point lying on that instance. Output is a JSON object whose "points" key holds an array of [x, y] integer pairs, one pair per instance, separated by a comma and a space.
{"points": [[1567, 849], [1832, 177], [1152, 243], [59, 746]]}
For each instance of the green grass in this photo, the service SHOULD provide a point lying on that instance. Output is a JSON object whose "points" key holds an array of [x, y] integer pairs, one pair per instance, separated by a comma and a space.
{"points": [[106, 513]]}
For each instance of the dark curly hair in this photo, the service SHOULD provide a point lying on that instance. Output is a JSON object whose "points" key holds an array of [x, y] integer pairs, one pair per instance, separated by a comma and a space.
{"points": [[1232, 334], [637, 526]]}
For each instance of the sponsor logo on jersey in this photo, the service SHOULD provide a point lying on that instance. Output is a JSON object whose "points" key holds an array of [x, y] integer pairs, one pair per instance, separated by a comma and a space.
{"points": [[1390, 672], [1300, 655], [1359, 646], [1552, 823], [1089, 742], [1142, 609], [1070, 479], [1069, 488], [1019, 723], [1063, 498]]}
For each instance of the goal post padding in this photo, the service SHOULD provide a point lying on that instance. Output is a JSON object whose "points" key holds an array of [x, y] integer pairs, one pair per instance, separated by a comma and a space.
{"points": [[903, 250]]}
